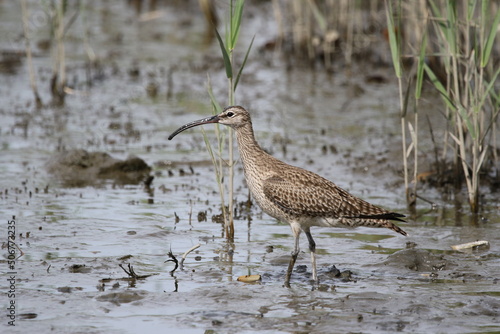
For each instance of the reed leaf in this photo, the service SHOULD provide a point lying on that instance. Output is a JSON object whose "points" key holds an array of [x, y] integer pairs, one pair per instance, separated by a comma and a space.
{"points": [[235, 23], [420, 67], [211, 153], [320, 18], [437, 14], [446, 26], [217, 106], [217, 109], [393, 40], [486, 53], [465, 117], [225, 56], [451, 27], [435, 9], [243, 64], [488, 90], [495, 102], [471, 9], [439, 86]]}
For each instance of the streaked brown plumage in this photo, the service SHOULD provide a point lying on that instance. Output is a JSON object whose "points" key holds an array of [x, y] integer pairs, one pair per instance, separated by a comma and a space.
{"points": [[295, 195]]}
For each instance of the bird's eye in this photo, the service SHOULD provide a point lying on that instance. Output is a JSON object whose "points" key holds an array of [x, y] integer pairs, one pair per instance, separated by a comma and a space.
{"points": [[230, 114]]}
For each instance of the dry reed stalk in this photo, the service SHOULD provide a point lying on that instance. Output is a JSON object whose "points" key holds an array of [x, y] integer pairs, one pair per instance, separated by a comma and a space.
{"points": [[29, 56]]}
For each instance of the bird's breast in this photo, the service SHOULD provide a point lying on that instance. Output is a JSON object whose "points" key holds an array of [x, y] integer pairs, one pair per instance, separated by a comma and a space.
{"points": [[255, 181]]}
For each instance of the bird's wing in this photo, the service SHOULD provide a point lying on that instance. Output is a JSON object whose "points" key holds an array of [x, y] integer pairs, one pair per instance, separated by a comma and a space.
{"points": [[315, 196]]}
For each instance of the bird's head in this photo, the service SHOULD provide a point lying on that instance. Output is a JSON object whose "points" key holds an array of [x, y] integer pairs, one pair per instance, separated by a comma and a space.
{"points": [[234, 116]]}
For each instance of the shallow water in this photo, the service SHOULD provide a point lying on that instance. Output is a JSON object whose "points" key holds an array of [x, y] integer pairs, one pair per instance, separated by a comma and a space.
{"points": [[68, 279]]}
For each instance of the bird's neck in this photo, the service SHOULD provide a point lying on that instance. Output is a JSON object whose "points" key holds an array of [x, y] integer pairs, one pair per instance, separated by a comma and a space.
{"points": [[249, 149]]}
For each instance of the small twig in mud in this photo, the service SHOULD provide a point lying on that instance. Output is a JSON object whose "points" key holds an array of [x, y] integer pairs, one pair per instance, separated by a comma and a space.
{"points": [[434, 205], [190, 211], [130, 270], [131, 273], [187, 252], [174, 260], [48, 268]]}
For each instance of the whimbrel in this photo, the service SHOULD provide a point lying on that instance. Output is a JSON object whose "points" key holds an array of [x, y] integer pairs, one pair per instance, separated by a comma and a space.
{"points": [[295, 195]]}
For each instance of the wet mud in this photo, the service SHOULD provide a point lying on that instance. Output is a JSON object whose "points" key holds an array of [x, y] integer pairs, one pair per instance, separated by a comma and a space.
{"points": [[94, 186]]}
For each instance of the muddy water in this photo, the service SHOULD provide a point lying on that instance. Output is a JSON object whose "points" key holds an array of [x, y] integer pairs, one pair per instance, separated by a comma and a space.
{"points": [[73, 239]]}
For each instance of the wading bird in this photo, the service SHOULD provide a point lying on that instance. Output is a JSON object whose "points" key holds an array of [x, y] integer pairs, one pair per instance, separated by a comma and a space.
{"points": [[294, 195]]}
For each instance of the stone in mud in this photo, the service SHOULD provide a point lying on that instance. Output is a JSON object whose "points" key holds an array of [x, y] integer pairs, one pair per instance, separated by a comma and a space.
{"points": [[418, 260], [78, 168]]}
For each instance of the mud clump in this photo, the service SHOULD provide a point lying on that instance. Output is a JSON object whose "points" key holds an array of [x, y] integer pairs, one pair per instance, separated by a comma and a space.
{"points": [[79, 269], [345, 276], [418, 260], [78, 168], [123, 297]]}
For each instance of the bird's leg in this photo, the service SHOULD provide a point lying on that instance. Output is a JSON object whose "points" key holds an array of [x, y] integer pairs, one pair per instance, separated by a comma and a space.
{"points": [[290, 268], [312, 248], [296, 234]]}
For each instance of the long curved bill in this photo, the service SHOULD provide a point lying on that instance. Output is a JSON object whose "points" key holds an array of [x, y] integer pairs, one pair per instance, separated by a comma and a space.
{"points": [[211, 119]]}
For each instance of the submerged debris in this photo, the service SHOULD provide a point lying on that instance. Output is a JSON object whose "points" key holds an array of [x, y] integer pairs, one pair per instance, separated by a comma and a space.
{"points": [[250, 278], [174, 260], [131, 273], [181, 263], [470, 246], [187, 252]]}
